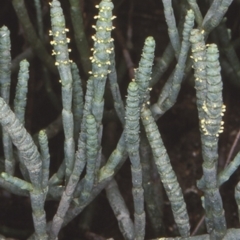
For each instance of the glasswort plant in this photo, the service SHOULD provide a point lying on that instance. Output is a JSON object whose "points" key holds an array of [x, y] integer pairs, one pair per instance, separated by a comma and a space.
{"points": [[86, 168]]}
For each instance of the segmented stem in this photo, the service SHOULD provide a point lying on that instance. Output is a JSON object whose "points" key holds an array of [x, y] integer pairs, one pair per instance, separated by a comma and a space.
{"points": [[28, 151], [120, 210], [20, 100], [61, 52], [144, 71], [45, 156], [166, 173], [172, 28], [215, 15], [199, 65], [198, 15], [211, 126], [132, 144], [5, 79], [91, 154], [77, 100], [100, 59]]}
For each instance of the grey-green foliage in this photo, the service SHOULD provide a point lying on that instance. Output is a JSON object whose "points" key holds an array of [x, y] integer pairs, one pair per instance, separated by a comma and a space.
{"points": [[31, 159], [211, 125], [237, 197], [23, 141], [198, 15], [172, 28], [83, 122], [144, 71], [152, 186], [166, 172], [199, 65], [118, 102], [91, 154], [210, 110], [20, 100], [224, 175], [120, 210], [17, 182], [5, 62], [61, 51], [77, 100], [45, 157], [170, 91], [100, 60], [213, 18], [38, 7], [5, 80], [132, 141]]}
